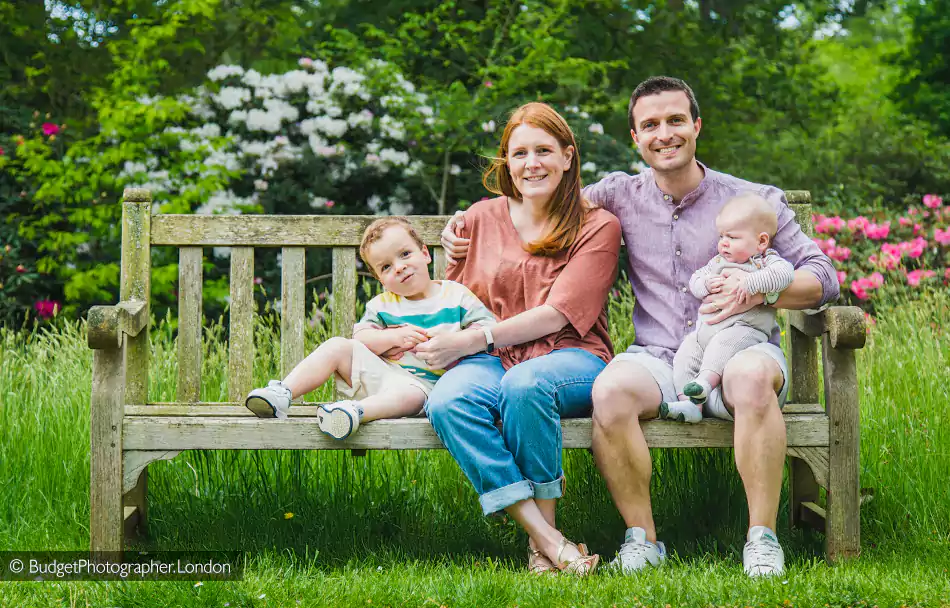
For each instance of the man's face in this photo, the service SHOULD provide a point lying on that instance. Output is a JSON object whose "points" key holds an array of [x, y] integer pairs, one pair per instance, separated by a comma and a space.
{"points": [[665, 132]]}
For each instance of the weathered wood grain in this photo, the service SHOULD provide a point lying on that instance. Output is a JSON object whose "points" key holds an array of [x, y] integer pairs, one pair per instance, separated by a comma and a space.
{"points": [[241, 320], [189, 324], [105, 456], [293, 272], [278, 230], [841, 400], [344, 294], [135, 286], [302, 433]]}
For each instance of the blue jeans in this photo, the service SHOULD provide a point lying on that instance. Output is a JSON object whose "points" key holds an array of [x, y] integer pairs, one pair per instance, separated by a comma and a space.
{"points": [[523, 459]]}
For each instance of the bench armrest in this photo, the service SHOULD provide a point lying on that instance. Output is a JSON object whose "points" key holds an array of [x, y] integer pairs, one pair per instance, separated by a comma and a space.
{"points": [[846, 326], [107, 324]]}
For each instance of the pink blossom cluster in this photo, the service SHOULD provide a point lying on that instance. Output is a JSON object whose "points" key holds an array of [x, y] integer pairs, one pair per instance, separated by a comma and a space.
{"points": [[913, 245], [861, 287], [914, 277], [830, 249], [46, 309]]}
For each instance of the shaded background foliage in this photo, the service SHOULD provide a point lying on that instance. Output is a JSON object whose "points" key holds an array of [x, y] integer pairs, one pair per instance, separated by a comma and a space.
{"points": [[849, 100]]}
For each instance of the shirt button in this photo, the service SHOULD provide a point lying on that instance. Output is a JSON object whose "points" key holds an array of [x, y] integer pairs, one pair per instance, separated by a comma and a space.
{"points": [[690, 323], [676, 217], [683, 289], [678, 252], [667, 197]]}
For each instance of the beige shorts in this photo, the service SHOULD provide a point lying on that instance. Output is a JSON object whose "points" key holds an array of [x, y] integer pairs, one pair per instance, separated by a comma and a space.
{"points": [[373, 375], [662, 373]]}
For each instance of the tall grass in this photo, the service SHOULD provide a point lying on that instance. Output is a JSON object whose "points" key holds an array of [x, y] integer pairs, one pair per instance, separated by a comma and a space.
{"points": [[394, 507]]}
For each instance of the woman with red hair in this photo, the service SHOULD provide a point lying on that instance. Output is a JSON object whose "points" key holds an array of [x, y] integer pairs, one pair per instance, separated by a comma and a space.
{"points": [[542, 260]]}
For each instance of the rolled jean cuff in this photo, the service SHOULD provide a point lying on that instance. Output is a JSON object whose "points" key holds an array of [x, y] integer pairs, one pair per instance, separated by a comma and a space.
{"points": [[550, 489], [499, 499]]}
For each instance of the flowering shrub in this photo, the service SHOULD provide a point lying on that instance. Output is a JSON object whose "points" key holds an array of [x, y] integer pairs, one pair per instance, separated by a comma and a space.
{"points": [[906, 253]]}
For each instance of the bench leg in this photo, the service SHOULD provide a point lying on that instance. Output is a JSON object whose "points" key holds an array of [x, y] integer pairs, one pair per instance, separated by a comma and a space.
{"points": [[105, 456], [844, 498]]}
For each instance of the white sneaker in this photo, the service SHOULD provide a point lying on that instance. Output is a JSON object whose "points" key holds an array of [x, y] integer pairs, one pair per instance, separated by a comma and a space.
{"points": [[637, 552], [762, 555], [341, 419], [272, 401]]}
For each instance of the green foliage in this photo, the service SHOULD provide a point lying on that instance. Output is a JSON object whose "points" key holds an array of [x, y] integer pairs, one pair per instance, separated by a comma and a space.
{"points": [[924, 88]]}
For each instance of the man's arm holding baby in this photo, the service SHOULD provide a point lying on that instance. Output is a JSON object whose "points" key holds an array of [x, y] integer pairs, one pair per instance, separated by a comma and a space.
{"points": [[815, 282]]}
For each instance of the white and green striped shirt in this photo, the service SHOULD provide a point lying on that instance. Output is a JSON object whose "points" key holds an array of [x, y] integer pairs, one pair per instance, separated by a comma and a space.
{"points": [[452, 309]]}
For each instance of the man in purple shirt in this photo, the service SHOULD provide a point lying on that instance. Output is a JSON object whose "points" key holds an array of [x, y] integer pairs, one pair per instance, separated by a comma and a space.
{"points": [[667, 214]]}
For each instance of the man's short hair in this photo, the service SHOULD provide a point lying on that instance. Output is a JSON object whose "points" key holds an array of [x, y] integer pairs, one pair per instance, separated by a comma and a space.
{"points": [[660, 84], [375, 231]]}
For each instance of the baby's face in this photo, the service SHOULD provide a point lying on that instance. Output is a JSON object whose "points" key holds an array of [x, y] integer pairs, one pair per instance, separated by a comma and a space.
{"points": [[738, 240]]}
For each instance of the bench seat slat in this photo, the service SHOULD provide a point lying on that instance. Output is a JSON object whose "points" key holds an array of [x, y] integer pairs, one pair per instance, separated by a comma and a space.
{"points": [[303, 433], [309, 408]]}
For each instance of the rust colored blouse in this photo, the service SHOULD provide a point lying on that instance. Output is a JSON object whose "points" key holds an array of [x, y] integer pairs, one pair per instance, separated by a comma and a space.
{"points": [[509, 280]]}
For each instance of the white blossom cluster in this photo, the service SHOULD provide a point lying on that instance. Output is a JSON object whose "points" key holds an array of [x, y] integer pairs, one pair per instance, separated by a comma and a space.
{"points": [[259, 125]]}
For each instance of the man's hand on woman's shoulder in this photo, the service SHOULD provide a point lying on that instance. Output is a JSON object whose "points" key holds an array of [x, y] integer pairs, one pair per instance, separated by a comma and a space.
{"points": [[455, 246]]}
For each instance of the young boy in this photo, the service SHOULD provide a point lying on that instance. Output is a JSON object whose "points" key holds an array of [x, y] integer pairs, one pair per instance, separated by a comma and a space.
{"points": [[412, 309], [746, 225]]}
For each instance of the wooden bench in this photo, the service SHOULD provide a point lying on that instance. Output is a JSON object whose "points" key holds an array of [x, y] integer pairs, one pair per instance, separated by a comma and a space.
{"points": [[128, 432]]}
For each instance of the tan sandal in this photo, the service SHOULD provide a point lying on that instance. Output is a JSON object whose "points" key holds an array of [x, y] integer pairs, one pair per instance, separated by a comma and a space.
{"points": [[583, 565], [538, 563]]}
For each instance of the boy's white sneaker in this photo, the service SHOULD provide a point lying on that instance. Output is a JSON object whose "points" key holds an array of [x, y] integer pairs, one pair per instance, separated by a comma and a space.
{"points": [[637, 553], [341, 419], [762, 555], [272, 401]]}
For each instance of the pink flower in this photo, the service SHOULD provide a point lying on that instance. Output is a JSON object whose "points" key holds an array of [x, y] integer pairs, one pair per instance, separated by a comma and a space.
{"points": [[830, 225], [330, 204], [914, 278], [839, 254], [258, 280], [842, 275], [859, 291], [305, 62], [915, 248], [875, 280], [47, 308], [877, 232], [50, 128], [1, 151], [911, 211], [892, 250], [488, 84], [20, 268], [932, 201], [942, 236], [858, 224], [917, 229], [903, 221], [946, 274]]}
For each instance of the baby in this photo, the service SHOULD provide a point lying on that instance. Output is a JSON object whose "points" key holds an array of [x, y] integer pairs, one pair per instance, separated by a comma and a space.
{"points": [[746, 225], [411, 309]]}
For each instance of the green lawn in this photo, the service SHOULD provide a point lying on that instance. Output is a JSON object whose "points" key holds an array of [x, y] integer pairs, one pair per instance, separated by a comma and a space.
{"points": [[404, 528]]}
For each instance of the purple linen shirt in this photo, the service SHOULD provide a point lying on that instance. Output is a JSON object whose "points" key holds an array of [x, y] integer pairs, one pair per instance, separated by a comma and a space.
{"points": [[666, 242]]}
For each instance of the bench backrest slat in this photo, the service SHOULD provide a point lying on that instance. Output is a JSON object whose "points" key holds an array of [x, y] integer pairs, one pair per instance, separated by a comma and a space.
{"points": [[277, 230], [292, 292], [189, 324], [344, 292], [241, 341]]}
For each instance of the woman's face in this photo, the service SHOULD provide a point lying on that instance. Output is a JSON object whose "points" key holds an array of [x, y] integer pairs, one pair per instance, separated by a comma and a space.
{"points": [[536, 162]]}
